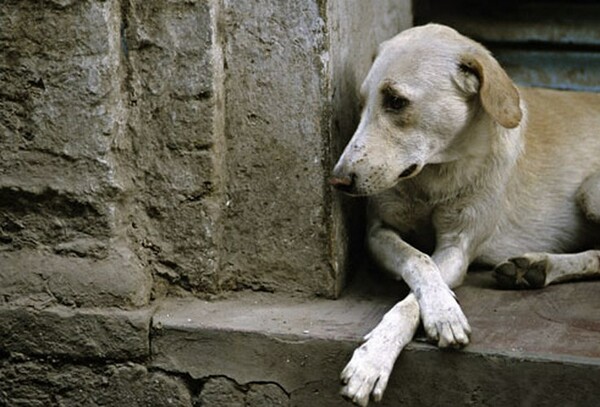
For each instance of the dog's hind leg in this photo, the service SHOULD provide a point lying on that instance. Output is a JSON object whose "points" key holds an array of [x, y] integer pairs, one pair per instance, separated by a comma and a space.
{"points": [[588, 198], [536, 270]]}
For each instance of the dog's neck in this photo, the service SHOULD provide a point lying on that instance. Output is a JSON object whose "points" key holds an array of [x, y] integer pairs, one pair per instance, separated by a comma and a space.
{"points": [[482, 150]]}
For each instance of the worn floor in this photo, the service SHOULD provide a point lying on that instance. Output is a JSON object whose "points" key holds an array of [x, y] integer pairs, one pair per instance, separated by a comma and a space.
{"points": [[539, 347]]}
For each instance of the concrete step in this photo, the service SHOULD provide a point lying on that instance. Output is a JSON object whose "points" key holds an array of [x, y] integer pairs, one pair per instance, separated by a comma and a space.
{"points": [[528, 348]]}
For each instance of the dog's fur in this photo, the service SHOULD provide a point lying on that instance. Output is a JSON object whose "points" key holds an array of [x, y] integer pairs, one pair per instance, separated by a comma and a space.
{"points": [[460, 163]]}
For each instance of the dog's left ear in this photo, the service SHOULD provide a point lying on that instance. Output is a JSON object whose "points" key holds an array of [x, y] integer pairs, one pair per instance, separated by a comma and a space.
{"points": [[497, 92]]}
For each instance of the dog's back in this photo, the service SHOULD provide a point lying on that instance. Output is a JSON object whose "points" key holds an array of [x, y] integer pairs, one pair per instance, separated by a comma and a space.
{"points": [[561, 149]]}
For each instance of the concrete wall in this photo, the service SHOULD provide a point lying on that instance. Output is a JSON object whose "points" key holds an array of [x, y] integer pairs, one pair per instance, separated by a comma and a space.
{"points": [[159, 148], [150, 147], [64, 194], [173, 81]]}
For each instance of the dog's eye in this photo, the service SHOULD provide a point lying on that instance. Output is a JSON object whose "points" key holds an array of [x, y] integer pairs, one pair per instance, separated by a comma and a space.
{"points": [[393, 102]]}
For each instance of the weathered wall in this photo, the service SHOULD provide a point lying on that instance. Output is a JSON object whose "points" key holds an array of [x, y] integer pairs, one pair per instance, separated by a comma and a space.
{"points": [[276, 232], [111, 115], [63, 194], [174, 88], [26, 382], [156, 148]]}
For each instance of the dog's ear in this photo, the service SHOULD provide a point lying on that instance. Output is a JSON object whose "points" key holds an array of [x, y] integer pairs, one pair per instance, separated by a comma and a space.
{"points": [[497, 92]]}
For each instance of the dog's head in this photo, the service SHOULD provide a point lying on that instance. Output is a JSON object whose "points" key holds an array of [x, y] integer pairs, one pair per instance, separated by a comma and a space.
{"points": [[425, 88]]}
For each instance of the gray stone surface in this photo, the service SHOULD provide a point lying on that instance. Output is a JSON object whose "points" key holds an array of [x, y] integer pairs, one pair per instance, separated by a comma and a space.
{"points": [[35, 277], [275, 226], [528, 347], [59, 116], [196, 136], [27, 383], [224, 392], [62, 190], [175, 129], [285, 127], [76, 334]]}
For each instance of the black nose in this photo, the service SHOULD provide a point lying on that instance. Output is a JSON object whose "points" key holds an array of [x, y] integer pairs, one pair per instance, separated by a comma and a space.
{"points": [[344, 183]]}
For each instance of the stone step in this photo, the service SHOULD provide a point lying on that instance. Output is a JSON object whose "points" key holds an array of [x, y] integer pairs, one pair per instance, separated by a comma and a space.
{"points": [[537, 347]]}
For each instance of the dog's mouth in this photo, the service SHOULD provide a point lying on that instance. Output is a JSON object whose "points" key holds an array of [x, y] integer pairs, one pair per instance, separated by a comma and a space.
{"points": [[411, 171]]}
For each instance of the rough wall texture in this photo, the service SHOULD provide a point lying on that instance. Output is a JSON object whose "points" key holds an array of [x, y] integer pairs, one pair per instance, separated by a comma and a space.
{"points": [[189, 141], [62, 193], [175, 132], [25, 382], [151, 148], [275, 127]]}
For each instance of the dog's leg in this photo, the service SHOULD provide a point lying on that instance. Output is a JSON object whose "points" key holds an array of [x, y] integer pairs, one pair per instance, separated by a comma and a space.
{"points": [[537, 270], [442, 317], [371, 365], [588, 198]]}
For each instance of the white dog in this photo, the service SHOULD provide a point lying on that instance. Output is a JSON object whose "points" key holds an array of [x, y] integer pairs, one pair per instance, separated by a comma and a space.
{"points": [[460, 163]]}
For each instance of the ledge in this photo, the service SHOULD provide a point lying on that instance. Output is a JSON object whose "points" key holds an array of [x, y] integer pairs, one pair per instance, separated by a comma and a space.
{"points": [[31, 277], [75, 334], [533, 347]]}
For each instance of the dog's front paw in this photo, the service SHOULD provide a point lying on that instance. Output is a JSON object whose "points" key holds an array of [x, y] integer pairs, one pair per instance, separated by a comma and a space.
{"points": [[366, 374], [443, 319], [369, 370]]}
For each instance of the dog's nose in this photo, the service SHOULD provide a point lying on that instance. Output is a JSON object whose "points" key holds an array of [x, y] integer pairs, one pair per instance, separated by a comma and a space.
{"points": [[344, 183]]}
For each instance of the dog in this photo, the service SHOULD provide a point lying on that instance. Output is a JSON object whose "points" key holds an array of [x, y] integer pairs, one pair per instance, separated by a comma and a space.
{"points": [[461, 166]]}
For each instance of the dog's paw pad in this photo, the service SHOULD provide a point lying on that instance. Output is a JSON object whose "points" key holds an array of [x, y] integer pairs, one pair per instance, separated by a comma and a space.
{"points": [[528, 271]]}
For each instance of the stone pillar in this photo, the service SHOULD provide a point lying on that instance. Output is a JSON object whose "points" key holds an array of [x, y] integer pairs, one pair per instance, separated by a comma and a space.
{"points": [[276, 232], [174, 83], [62, 120], [292, 70]]}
